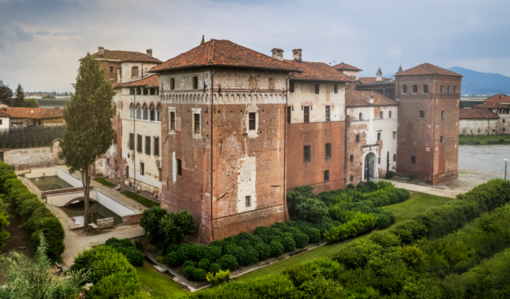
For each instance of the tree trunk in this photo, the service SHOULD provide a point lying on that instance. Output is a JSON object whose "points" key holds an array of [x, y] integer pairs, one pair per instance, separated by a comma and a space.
{"points": [[86, 194]]}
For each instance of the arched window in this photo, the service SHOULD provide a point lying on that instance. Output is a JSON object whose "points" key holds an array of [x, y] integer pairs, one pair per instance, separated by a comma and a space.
{"points": [[158, 113], [448, 89], [172, 84], [152, 113], [455, 89], [145, 114], [195, 83], [131, 111], [134, 71], [442, 89], [389, 114], [138, 112], [360, 116]]}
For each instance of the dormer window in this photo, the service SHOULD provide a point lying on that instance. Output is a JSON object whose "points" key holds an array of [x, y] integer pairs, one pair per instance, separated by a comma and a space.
{"points": [[134, 71]]}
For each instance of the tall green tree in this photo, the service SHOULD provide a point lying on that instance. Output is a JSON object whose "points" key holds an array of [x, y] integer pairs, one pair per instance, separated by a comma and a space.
{"points": [[19, 101], [31, 102], [89, 130], [5, 94]]}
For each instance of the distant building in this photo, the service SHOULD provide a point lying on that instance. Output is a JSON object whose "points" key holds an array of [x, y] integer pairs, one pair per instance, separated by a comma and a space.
{"points": [[491, 117], [26, 117]]}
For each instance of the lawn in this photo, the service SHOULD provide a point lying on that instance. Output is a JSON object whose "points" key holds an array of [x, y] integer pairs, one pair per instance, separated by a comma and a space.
{"points": [[104, 182], [484, 139], [140, 199], [417, 203], [155, 283]]}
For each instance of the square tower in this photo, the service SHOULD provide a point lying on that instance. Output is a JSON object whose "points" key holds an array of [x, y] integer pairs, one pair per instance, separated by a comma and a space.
{"points": [[428, 123]]}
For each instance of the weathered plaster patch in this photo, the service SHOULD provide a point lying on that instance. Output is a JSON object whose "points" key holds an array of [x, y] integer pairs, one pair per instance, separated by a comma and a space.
{"points": [[246, 184]]}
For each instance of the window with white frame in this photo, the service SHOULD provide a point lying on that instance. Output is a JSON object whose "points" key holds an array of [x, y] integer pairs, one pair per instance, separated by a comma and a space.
{"points": [[196, 121], [138, 112], [171, 118]]}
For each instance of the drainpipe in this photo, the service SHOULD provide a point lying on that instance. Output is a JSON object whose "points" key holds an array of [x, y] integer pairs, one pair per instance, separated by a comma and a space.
{"points": [[285, 148], [212, 149], [134, 143]]}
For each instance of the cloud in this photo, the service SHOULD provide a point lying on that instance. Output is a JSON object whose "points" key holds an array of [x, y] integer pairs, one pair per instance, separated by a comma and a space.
{"points": [[11, 34], [42, 33], [67, 33]]}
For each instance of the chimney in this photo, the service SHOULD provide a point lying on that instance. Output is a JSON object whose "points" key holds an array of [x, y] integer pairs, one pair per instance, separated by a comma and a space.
{"points": [[297, 55], [370, 99], [277, 54], [149, 52], [101, 52]]}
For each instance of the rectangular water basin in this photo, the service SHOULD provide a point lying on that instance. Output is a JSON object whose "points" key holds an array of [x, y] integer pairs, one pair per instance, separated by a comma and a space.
{"points": [[52, 180]]}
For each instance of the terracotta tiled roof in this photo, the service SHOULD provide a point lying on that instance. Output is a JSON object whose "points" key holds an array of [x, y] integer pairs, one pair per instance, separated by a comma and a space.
{"points": [[345, 66], [477, 114], [127, 56], [493, 105], [372, 80], [359, 98], [427, 69], [223, 53], [151, 81], [498, 98], [3, 113], [317, 71], [35, 113]]}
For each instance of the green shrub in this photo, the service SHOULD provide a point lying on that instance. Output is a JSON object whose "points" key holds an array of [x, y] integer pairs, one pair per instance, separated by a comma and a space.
{"points": [[264, 233], [204, 263], [188, 263], [301, 240], [412, 176], [214, 268], [409, 231], [188, 272], [101, 262], [199, 274], [277, 248], [384, 238], [172, 259], [175, 226], [216, 278], [197, 252], [122, 242], [151, 218], [288, 243], [382, 221], [361, 223], [116, 285], [390, 174], [134, 256], [212, 253], [54, 235], [184, 253], [251, 256], [240, 254], [264, 251], [228, 261]]}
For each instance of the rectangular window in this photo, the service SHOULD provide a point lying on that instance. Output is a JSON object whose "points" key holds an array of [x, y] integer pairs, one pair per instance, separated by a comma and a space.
{"points": [[248, 201], [0, 121], [132, 141], [160, 176], [394, 135], [415, 89], [335, 88], [172, 121], [148, 145], [289, 115], [107, 161], [306, 114], [442, 114], [156, 146], [179, 167], [441, 139], [142, 169], [328, 150], [291, 86], [422, 114], [252, 118], [127, 172], [306, 153], [381, 115], [394, 157], [328, 113], [413, 159], [114, 136], [425, 89], [139, 143], [351, 158], [111, 70], [317, 89], [379, 160], [326, 176], [197, 123], [404, 88]]}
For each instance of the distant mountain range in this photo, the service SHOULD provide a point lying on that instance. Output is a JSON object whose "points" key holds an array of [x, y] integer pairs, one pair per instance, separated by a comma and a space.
{"points": [[477, 83]]}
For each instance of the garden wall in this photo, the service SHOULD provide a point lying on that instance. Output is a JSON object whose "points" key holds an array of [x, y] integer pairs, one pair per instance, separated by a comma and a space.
{"points": [[22, 158]]}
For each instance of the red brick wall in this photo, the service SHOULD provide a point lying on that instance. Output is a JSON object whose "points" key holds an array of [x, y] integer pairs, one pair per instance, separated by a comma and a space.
{"points": [[105, 65], [420, 137], [355, 168], [300, 173]]}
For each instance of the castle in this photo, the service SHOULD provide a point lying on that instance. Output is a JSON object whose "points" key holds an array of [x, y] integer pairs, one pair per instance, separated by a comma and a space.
{"points": [[224, 132]]}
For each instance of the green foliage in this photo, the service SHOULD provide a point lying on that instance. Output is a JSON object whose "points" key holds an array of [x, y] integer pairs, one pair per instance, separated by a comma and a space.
{"points": [[384, 238], [140, 199], [117, 285], [104, 182], [303, 205], [175, 226], [204, 263], [412, 176], [26, 277], [5, 94], [100, 262], [151, 218], [264, 251], [215, 268], [189, 263], [31, 103], [219, 277], [199, 274], [288, 243], [19, 100], [228, 261], [189, 271], [53, 232], [409, 231], [213, 253], [197, 252], [277, 248], [301, 240], [359, 224], [173, 259]]}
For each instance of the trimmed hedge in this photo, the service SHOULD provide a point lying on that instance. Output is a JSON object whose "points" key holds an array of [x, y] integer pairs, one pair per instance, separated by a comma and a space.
{"points": [[360, 223], [125, 247], [35, 216]]}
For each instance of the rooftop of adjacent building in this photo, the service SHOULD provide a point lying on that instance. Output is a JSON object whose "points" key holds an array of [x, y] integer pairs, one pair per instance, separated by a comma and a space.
{"points": [[498, 98], [125, 56], [316, 71], [493, 105], [477, 114], [347, 67], [148, 82], [366, 98], [33, 113], [427, 69], [372, 80], [223, 53]]}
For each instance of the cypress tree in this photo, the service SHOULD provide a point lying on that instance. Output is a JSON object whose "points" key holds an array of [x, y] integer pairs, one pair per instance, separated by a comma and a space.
{"points": [[89, 131], [19, 101]]}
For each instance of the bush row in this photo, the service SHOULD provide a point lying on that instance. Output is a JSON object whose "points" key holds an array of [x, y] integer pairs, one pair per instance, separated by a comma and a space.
{"points": [[35, 215], [4, 221], [359, 224], [126, 248]]}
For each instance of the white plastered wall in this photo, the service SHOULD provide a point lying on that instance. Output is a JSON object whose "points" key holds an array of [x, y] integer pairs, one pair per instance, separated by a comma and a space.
{"points": [[4, 123], [472, 126]]}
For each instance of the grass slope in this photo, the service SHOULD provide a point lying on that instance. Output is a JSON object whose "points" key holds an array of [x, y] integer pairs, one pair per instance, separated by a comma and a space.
{"points": [[140, 199], [417, 203], [483, 139], [104, 182], [155, 283]]}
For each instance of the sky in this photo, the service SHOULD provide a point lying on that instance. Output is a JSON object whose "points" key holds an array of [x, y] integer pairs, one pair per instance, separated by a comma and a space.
{"points": [[42, 40]]}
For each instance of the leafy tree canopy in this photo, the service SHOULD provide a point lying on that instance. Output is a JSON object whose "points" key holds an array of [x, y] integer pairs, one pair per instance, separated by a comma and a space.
{"points": [[19, 100], [5, 94], [31, 103]]}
